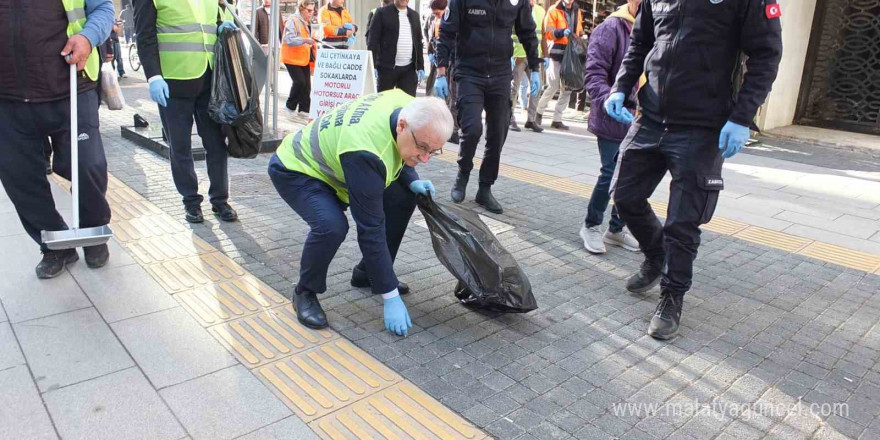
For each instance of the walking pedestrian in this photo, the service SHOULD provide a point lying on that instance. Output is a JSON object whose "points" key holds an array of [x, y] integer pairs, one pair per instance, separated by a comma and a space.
{"points": [[432, 36], [175, 44], [339, 27], [608, 44], [297, 52], [519, 72], [35, 106], [479, 32], [564, 22], [689, 122], [396, 44]]}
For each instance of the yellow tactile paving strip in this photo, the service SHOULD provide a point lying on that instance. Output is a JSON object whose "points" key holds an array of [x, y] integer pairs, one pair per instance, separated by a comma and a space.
{"points": [[767, 237], [322, 377]]}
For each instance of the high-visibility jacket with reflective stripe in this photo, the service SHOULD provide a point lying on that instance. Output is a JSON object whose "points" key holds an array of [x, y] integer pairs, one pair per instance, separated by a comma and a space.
{"points": [[187, 31], [332, 22], [298, 55], [76, 20], [359, 125]]}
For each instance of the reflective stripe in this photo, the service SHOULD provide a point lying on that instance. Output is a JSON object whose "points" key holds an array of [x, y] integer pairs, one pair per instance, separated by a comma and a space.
{"points": [[76, 14], [185, 47], [317, 154], [557, 51], [187, 28]]}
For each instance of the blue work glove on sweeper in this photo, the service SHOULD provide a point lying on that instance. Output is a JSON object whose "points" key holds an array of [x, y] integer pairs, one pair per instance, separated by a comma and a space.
{"points": [[423, 187], [614, 107], [441, 87], [396, 316], [732, 139], [535, 81], [159, 92]]}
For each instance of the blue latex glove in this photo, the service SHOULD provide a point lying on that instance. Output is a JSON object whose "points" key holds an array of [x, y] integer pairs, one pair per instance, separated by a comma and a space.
{"points": [[614, 107], [733, 138], [441, 87], [421, 74], [546, 63], [226, 25], [566, 32], [396, 316], [351, 41], [348, 26], [535, 81], [376, 74], [512, 64], [432, 59], [423, 187], [159, 92]]}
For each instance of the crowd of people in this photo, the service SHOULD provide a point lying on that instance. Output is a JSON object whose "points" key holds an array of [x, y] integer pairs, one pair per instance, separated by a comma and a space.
{"points": [[673, 87]]}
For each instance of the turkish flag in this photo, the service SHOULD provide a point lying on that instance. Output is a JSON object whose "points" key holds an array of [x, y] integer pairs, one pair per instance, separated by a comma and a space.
{"points": [[773, 11]]}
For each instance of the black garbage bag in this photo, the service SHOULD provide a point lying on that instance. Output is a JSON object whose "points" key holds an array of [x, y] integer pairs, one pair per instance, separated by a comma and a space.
{"points": [[235, 99], [488, 276], [573, 67]]}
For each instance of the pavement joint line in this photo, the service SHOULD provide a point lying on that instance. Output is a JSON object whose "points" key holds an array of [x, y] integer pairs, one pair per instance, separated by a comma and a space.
{"points": [[818, 250], [318, 374]]}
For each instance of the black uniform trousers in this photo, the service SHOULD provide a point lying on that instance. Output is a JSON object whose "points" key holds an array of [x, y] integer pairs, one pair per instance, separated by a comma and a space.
{"points": [[23, 133], [402, 77], [476, 94], [177, 118], [692, 156], [300, 88]]}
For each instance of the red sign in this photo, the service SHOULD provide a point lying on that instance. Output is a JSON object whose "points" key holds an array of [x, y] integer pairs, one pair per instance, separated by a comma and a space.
{"points": [[773, 11]]}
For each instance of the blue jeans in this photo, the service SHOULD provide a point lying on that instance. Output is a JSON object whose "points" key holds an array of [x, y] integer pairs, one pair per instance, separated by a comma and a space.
{"points": [[317, 204], [599, 200]]}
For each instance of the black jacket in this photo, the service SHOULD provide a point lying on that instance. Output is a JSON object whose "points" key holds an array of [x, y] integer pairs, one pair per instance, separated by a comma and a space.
{"points": [[383, 33], [479, 32], [689, 50]]}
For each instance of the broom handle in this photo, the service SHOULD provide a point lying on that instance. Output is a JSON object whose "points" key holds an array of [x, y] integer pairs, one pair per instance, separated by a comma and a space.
{"points": [[74, 148]]}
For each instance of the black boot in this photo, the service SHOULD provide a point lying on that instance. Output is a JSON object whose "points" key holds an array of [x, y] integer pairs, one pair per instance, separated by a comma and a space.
{"points": [[194, 214], [664, 323], [648, 275], [559, 125], [225, 212], [96, 256], [454, 138], [308, 309], [53, 263], [460, 187], [514, 126], [487, 200], [533, 126], [359, 278]]}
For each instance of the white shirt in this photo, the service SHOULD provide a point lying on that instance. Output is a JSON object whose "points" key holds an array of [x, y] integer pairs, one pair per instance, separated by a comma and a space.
{"points": [[404, 40]]}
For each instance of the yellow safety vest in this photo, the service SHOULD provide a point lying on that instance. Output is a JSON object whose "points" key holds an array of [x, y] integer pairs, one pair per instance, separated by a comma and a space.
{"points": [[187, 31], [358, 125], [76, 20]]}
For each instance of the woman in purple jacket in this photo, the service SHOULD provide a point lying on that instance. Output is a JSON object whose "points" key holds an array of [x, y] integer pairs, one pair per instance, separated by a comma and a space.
{"points": [[608, 45]]}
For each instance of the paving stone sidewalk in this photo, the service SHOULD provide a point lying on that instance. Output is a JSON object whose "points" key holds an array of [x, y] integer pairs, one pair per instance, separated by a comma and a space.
{"points": [[773, 345]]}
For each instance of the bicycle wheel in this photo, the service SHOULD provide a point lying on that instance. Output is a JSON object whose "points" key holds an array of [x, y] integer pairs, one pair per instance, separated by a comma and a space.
{"points": [[133, 59]]}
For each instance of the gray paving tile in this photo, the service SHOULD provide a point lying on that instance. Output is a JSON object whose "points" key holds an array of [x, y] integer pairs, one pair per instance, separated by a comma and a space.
{"points": [[171, 347], [224, 405], [25, 296], [10, 225], [23, 415], [117, 406], [289, 428], [10, 355], [123, 292], [70, 347]]}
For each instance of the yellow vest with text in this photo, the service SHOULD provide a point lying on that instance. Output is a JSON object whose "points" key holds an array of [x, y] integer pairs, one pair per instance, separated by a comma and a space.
{"points": [[187, 31], [359, 125], [76, 20]]}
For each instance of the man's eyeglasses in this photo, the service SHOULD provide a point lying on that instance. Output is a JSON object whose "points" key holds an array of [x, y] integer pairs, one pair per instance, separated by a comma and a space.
{"points": [[424, 148]]}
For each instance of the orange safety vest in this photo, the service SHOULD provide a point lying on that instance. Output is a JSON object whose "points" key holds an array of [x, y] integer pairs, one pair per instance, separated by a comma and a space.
{"points": [[298, 55], [556, 20], [332, 21]]}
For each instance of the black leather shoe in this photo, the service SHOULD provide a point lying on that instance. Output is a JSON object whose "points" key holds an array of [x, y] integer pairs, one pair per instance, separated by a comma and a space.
{"points": [[647, 277], [309, 311], [225, 212], [487, 200], [534, 127], [194, 214], [96, 256], [359, 278], [454, 138], [514, 126], [460, 187], [54, 262], [559, 125], [664, 323]]}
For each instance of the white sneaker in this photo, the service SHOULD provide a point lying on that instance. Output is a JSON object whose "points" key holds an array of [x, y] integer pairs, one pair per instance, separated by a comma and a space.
{"points": [[304, 115], [624, 239], [592, 237]]}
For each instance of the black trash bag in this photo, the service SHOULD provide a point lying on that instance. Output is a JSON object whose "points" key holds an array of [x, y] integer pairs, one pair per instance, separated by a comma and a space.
{"points": [[236, 107], [488, 276], [573, 70]]}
